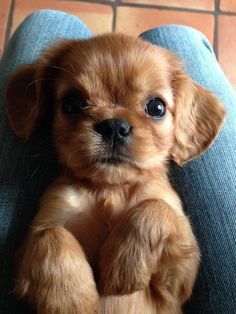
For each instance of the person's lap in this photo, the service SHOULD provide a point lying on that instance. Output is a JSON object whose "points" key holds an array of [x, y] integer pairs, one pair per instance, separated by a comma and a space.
{"points": [[207, 185]]}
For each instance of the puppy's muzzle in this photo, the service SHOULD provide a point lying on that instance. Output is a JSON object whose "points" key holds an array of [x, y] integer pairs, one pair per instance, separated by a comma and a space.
{"points": [[115, 132]]}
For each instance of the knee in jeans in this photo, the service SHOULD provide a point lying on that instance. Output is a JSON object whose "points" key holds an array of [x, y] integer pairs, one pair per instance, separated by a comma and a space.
{"points": [[186, 33], [192, 33], [55, 23], [45, 14]]}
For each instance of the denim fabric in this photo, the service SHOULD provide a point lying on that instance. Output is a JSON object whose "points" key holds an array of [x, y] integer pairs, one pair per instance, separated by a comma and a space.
{"points": [[25, 169], [207, 185]]}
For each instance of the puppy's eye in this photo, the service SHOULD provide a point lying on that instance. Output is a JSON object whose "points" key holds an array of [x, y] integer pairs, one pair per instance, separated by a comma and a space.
{"points": [[73, 104], [155, 108]]}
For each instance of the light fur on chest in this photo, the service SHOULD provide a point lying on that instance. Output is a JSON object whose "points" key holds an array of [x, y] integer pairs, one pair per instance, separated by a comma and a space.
{"points": [[91, 214]]}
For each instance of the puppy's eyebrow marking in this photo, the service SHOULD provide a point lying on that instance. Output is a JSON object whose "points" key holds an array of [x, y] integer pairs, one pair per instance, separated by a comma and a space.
{"points": [[167, 96]]}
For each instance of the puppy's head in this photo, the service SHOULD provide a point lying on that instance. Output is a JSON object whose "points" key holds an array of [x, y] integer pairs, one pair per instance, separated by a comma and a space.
{"points": [[120, 106]]}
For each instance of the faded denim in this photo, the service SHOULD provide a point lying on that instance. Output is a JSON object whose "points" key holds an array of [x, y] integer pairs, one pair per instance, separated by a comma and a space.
{"points": [[207, 185]]}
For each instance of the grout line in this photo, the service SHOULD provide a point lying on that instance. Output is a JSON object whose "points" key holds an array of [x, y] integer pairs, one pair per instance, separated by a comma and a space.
{"points": [[119, 3], [168, 8], [217, 5], [227, 13], [114, 19], [9, 24], [147, 6], [216, 28]]}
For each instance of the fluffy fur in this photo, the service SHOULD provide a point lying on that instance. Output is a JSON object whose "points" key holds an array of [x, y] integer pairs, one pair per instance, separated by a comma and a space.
{"points": [[111, 237]]}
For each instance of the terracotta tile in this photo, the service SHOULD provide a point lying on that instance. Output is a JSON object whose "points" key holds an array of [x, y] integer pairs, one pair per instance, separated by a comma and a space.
{"points": [[4, 13], [98, 17], [227, 46], [190, 4], [137, 20], [228, 5]]}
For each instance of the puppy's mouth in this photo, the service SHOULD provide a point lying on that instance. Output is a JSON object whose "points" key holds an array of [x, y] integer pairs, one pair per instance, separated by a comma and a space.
{"points": [[115, 160]]}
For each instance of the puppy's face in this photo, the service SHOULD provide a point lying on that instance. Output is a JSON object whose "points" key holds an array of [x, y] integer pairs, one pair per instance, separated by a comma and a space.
{"points": [[121, 106], [113, 113]]}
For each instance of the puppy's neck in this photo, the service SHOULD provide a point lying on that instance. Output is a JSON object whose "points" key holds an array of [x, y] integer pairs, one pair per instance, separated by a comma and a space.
{"points": [[109, 180]]}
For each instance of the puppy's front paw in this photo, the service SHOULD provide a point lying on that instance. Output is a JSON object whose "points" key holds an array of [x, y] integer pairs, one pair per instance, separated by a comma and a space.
{"points": [[123, 272], [125, 264], [55, 276]]}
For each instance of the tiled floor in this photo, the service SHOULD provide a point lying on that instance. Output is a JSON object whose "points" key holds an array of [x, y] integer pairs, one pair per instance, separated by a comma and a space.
{"points": [[215, 18]]}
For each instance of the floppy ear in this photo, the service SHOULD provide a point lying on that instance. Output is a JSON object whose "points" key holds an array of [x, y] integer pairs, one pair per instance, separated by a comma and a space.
{"points": [[198, 119], [23, 108]]}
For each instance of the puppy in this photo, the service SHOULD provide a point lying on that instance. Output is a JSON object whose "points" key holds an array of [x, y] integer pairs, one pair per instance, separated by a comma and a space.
{"points": [[110, 235]]}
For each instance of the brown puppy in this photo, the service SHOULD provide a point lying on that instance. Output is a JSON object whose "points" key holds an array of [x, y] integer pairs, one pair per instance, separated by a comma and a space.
{"points": [[121, 108]]}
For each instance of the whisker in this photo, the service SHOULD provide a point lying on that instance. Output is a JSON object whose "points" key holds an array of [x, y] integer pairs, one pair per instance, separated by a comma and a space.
{"points": [[60, 68], [39, 80]]}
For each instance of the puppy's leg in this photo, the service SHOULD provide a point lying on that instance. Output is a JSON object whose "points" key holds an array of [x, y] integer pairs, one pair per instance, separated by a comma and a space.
{"points": [[152, 246], [53, 272]]}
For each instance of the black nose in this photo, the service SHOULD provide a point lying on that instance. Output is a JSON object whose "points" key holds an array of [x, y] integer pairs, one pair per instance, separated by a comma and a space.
{"points": [[114, 131]]}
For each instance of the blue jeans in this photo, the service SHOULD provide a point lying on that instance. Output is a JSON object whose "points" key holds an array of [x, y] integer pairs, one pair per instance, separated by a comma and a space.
{"points": [[207, 185]]}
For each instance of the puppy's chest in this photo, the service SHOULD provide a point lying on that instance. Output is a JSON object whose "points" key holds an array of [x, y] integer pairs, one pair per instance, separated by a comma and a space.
{"points": [[109, 205], [92, 226]]}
